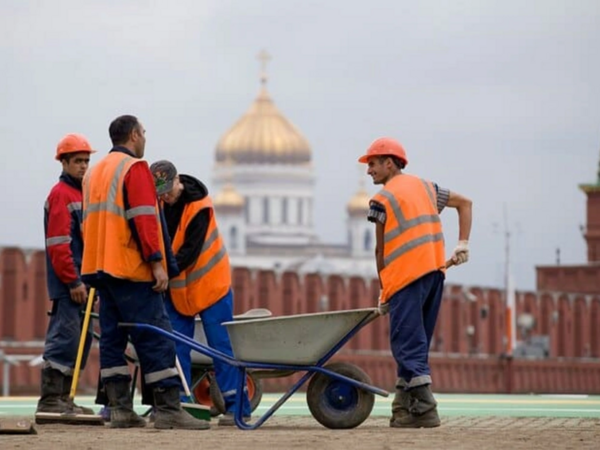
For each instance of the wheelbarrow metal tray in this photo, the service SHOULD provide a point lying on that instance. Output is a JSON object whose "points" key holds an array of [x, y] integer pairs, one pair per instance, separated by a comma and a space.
{"points": [[301, 339], [200, 336]]}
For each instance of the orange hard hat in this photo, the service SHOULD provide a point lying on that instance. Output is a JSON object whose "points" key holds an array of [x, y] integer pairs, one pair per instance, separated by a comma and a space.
{"points": [[385, 147], [73, 143]]}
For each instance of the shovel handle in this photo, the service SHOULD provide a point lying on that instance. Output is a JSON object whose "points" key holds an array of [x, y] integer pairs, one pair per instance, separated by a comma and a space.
{"points": [[82, 339], [449, 263]]}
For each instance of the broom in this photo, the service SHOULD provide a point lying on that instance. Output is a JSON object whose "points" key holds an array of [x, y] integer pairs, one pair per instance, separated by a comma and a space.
{"points": [[195, 410]]}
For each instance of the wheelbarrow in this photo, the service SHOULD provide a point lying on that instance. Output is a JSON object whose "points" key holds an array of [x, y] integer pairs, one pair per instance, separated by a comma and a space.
{"points": [[205, 388], [339, 395]]}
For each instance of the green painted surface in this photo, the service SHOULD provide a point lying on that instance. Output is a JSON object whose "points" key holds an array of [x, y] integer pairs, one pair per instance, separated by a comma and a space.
{"points": [[449, 405]]}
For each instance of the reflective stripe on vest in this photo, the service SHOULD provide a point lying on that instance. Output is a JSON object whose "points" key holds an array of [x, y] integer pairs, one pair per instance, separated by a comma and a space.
{"points": [[411, 245], [404, 224], [110, 204], [416, 229], [109, 244], [200, 272], [208, 279]]}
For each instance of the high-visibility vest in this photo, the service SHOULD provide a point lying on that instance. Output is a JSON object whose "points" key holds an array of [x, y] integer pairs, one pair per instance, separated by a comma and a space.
{"points": [[413, 240], [110, 246], [208, 279]]}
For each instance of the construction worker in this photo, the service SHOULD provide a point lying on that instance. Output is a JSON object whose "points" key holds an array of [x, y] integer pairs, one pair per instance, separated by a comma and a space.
{"points": [[64, 248], [411, 266], [147, 393], [124, 258], [204, 284]]}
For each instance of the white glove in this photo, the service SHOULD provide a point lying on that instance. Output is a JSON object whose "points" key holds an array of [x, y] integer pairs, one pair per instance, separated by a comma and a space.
{"points": [[461, 253]]}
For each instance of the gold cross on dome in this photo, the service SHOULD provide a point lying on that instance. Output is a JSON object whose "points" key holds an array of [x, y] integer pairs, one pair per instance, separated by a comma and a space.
{"points": [[264, 58]]}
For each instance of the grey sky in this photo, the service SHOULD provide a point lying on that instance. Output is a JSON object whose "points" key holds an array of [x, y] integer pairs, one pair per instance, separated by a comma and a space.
{"points": [[497, 100]]}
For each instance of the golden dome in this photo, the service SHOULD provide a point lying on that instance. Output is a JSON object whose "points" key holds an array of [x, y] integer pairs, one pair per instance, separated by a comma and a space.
{"points": [[229, 197], [359, 203], [263, 136]]}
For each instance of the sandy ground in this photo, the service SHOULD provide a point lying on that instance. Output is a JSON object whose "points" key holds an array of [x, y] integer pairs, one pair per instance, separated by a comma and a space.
{"points": [[304, 432]]}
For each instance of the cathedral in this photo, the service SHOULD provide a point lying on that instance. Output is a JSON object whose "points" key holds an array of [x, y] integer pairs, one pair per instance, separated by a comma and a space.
{"points": [[264, 184]]}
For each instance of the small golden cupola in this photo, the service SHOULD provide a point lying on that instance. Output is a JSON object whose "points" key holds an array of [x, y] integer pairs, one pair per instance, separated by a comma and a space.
{"points": [[263, 135], [229, 198], [359, 203]]}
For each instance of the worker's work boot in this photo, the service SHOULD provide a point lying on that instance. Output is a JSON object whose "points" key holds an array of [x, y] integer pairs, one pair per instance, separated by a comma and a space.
{"points": [[122, 414], [77, 409], [422, 410], [169, 414], [400, 405], [51, 400]]}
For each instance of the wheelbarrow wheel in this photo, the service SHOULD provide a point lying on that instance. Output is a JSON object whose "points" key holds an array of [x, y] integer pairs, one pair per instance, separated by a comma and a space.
{"points": [[253, 385], [203, 381], [337, 404], [255, 391]]}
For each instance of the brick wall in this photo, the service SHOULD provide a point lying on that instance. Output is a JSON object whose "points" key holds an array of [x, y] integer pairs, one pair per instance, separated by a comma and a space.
{"points": [[468, 341]]}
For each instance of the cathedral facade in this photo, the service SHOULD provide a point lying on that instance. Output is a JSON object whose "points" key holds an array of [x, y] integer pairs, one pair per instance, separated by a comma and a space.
{"points": [[265, 188]]}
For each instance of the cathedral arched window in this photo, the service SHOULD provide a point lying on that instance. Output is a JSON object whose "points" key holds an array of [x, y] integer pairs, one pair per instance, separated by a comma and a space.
{"points": [[266, 210], [284, 210], [368, 240], [233, 238], [300, 212]]}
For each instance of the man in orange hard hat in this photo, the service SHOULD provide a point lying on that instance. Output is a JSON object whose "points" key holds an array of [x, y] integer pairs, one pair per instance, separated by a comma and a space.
{"points": [[64, 248], [411, 265]]}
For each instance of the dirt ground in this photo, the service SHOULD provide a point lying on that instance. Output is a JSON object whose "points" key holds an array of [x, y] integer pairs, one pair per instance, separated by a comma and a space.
{"points": [[469, 433]]}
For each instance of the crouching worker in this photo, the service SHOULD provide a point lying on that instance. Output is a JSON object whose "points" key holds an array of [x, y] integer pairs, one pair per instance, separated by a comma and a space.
{"points": [[125, 259], [204, 284], [64, 247]]}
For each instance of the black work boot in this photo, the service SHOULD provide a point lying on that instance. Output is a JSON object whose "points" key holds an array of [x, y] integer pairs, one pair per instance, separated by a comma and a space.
{"points": [[400, 405], [67, 382], [122, 414], [51, 400], [169, 414], [422, 410]]}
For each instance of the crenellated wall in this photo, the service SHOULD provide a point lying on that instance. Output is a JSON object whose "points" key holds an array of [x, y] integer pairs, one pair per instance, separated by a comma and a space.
{"points": [[466, 351]]}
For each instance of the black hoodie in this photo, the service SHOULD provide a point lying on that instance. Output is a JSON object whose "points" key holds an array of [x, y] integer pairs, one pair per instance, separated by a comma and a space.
{"points": [[195, 233]]}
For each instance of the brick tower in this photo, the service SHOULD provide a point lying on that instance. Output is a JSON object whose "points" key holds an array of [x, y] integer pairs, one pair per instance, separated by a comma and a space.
{"points": [[584, 278]]}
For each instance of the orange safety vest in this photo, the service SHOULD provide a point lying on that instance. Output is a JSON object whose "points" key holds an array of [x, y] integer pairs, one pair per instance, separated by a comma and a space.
{"points": [[206, 281], [413, 240], [109, 243]]}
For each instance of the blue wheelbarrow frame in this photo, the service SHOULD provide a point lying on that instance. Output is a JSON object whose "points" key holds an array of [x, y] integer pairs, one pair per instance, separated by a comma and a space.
{"points": [[242, 366]]}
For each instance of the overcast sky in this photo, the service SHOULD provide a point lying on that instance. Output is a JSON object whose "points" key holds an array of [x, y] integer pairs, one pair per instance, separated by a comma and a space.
{"points": [[497, 100]]}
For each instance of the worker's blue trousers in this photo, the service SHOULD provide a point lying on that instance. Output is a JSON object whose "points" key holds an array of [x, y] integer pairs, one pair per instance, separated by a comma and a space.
{"points": [[217, 338], [62, 337], [413, 314], [127, 301]]}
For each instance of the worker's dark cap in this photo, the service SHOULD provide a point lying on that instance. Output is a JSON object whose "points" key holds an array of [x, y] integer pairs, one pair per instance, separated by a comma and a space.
{"points": [[164, 173]]}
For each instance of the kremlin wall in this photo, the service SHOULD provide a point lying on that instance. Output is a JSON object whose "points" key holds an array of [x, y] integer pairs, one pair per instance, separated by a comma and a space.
{"points": [[467, 354]]}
